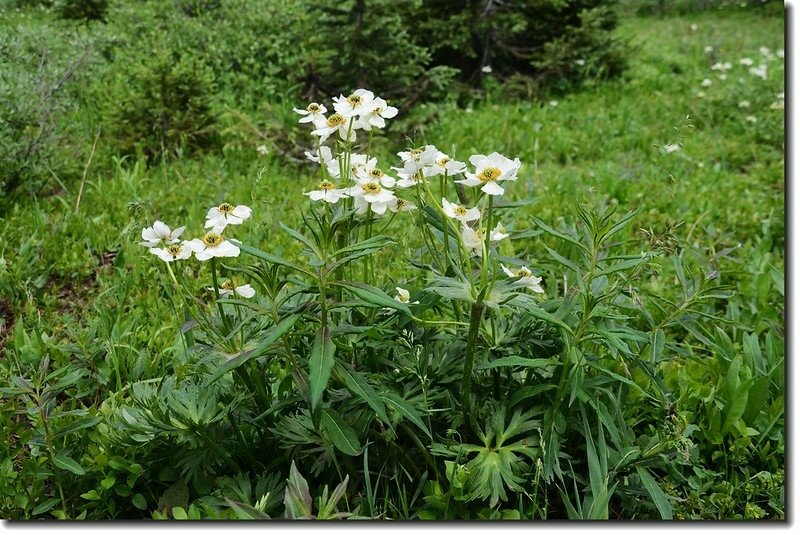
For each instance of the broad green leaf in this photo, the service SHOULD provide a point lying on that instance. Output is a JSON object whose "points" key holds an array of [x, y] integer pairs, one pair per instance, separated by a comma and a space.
{"points": [[45, 506], [357, 384], [406, 409], [270, 337], [179, 513], [320, 365], [659, 497], [139, 501], [374, 296], [296, 497], [68, 463], [515, 361], [341, 434]]}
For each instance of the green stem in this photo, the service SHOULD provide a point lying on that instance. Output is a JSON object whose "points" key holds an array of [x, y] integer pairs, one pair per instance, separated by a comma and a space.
{"points": [[469, 362], [51, 450], [216, 294]]}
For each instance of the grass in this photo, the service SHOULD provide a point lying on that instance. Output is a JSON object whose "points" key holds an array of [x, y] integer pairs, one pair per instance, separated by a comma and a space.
{"points": [[75, 282]]}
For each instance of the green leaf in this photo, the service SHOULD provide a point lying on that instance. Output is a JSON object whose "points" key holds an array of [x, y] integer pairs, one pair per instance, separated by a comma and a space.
{"points": [[45, 506], [270, 337], [357, 384], [656, 345], [561, 260], [302, 239], [139, 502], [246, 512], [179, 513], [553, 232], [374, 296], [527, 392], [82, 423], [515, 361], [272, 259], [320, 366], [376, 242], [406, 409], [341, 434], [67, 463], [296, 497], [659, 498]]}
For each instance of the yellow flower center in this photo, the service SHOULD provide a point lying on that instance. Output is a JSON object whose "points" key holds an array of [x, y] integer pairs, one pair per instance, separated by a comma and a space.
{"points": [[313, 108], [336, 120], [371, 188], [225, 208], [228, 285], [460, 210], [441, 162], [327, 185], [376, 173], [354, 100], [489, 174], [212, 240], [401, 203], [522, 272], [415, 153], [175, 249]]}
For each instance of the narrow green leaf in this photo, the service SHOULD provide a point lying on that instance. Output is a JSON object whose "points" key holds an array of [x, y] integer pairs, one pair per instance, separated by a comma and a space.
{"points": [[270, 337], [376, 242], [341, 434], [302, 239], [45, 506], [561, 260], [406, 409], [272, 259], [358, 385], [374, 296], [553, 232], [659, 498], [68, 463], [82, 423], [528, 392], [515, 361], [246, 512], [656, 345], [320, 366]]}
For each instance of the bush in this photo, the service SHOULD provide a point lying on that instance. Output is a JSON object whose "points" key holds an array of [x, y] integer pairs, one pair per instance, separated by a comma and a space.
{"points": [[83, 9]]}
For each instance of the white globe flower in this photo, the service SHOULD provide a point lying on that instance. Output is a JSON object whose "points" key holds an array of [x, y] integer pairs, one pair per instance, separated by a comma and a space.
{"points": [[358, 103], [173, 251], [489, 170], [377, 111], [229, 288], [159, 234], [314, 113], [526, 278], [212, 245], [457, 211], [327, 192], [226, 214]]}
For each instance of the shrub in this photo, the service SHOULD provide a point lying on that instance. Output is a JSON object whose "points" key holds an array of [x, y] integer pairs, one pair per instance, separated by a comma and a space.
{"points": [[83, 9]]}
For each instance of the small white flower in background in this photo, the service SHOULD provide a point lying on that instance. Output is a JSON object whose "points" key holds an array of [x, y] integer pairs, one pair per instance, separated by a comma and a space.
{"points": [[701, 94], [226, 214], [228, 288], [780, 95], [378, 111], [722, 76], [580, 62], [766, 52], [701, 164], [486, 69], [779, 53], [526, 278], [407, 180], [336, 123], [751, 119], [327, 192], [160, 233], [706, 82], [498, 233], [693, 27], [457, 211], [777, 105], [671, 147], [708, 49], [358, 103], [468, 110], [314, 113], [444, 164], [415, 160], [401, 205], [489, 170], [760, 71], [744, 103], [553, 103], [212, 245], [324, 151], [472, 240], [404, 296], [262, 150], [173, 251], [746, 61], [719, 66]]}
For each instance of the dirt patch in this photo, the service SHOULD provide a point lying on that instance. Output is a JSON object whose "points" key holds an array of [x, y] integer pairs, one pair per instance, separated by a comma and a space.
{"points": [[6, 322]]}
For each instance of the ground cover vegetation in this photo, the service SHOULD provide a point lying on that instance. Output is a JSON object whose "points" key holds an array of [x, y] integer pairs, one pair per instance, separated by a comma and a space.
{"points": [[516, 261]]}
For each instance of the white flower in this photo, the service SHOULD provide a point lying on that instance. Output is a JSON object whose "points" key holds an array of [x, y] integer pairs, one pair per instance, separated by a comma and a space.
{"points": [[701, 94], [760, 71], [327, 192], [404, 296], [746, 61], [751, 119], [472, 240], [722, 76], [415, 160], [377, 111], [498, 233], [212, 245], [693, 27], [228, 288], [526, 278], [324, 151], [160, 233], [456, 211], [744, 103], [708, 49], [314, 113], [371, 191], [580, 62], [400, 205], [262, 150], [370, 171], [489, 170], [553, 103], [671, 147], [780, 95], [706, 82], [777, 105], [779, 53], [173, 251], [765, 51], [721, 66], [226, 214], [486, 69], [336, 123], [358, 103], [407, 180], [444, 164]]}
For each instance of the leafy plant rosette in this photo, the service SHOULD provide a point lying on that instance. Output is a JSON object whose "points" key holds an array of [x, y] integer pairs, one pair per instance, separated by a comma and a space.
{"points": [[521, 377]]}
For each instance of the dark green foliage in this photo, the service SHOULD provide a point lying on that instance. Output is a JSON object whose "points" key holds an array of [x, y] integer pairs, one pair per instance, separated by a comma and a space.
{"points": [[83, 9]]}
